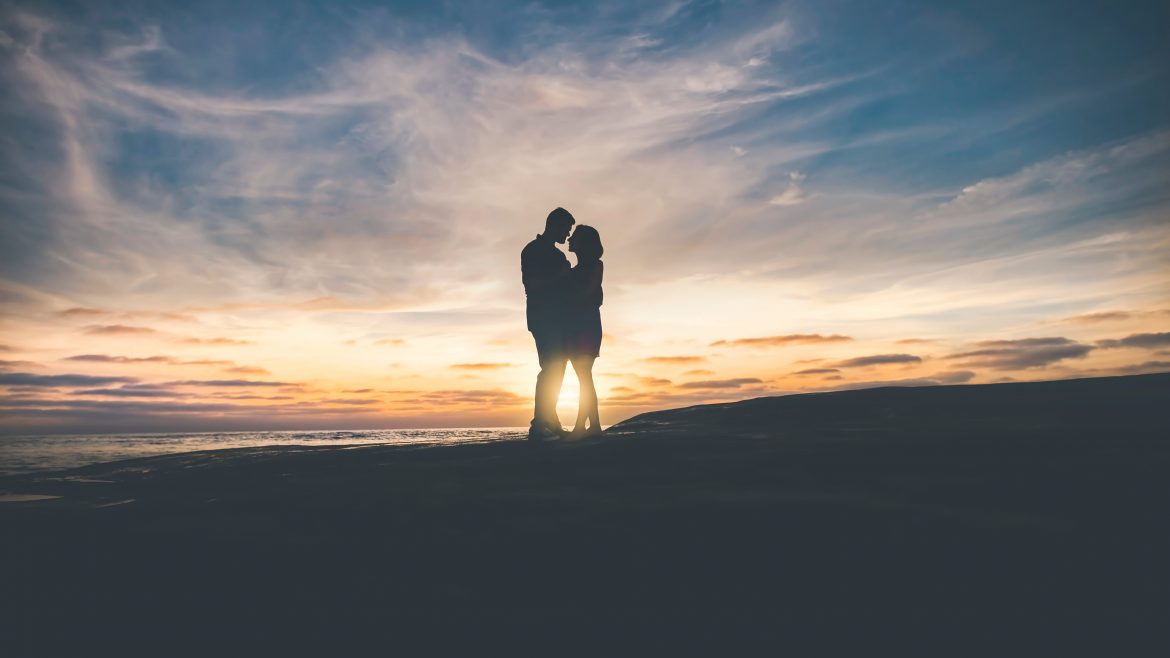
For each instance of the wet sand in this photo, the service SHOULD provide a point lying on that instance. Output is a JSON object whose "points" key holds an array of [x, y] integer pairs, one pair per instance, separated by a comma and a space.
{"points": [[1019, 518]]}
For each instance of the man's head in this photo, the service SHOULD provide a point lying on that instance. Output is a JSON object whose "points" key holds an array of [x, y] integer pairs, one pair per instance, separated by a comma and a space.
{"points": [[558, 225]]}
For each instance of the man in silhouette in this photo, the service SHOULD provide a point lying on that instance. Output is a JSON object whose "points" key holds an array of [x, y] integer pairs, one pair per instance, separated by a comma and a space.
{"points": [[544, 269]]}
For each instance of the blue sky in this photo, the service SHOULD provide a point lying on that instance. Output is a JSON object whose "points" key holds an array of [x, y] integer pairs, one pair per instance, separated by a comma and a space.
{"points": [[298, 176]]}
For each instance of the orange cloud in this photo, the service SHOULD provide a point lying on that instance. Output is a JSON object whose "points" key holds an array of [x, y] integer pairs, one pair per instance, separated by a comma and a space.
{"points": [[675, 359], [117, 330], [248, 370], [781, 341], [19, 364], [232, 383], [482, 366], [83, 312], [216, 341], [723, 383], [878, 360], [1022, 353], [106, 358], [1148, 341], [1103, 316]]}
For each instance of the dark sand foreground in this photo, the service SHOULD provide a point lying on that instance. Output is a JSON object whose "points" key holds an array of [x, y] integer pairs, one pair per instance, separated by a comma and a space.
{"points": [[1019, 519]]}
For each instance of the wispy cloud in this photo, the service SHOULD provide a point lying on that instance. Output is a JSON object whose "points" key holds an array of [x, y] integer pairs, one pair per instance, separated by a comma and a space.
{"points": [[130, 392], [1147, 341], [69, 380], [1023, 353], [118, 330], [817, 371], [782, 341], [737, 382], [107, 358], [877, 360], [938, 379], [217, 341], [675, 360], [229, 383]]}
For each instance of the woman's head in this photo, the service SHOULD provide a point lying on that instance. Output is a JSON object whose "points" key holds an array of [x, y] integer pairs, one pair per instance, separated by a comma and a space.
{"points": [[586, 243]]}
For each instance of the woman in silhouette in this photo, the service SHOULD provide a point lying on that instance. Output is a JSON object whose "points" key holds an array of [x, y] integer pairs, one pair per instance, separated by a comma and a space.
{"points": [[583, 324]]}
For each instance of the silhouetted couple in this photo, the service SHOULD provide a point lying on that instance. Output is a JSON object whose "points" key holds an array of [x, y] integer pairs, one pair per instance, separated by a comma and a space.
{"points": [[564, 316]]}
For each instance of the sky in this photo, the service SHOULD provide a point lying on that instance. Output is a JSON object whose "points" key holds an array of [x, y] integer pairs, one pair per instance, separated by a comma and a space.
{"points": [[297, 215]]}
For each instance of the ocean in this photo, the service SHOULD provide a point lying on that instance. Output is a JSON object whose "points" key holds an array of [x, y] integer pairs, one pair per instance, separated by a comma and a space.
{"points": [[29, 454]]}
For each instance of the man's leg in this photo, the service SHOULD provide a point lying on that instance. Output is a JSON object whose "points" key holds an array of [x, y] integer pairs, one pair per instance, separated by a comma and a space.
{"points": [[552, 374]]}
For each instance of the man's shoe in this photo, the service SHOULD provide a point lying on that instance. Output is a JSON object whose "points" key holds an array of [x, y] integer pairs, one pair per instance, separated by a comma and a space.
{"points": [[543, 433]]}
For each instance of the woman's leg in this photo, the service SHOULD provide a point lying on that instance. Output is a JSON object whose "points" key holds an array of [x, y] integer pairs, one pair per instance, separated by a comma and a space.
{"points": [[594, 415], [587, 401]]}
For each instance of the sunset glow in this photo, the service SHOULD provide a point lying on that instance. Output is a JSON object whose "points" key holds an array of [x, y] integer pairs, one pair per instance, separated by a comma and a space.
{"points": [[314, 220]]}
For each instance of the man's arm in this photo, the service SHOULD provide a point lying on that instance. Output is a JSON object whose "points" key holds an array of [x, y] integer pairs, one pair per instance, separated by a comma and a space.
{"points": [[543, 283]]}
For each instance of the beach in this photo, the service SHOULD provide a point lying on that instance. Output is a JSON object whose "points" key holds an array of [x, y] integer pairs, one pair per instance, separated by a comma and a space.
{"points": [[1011, 515]]}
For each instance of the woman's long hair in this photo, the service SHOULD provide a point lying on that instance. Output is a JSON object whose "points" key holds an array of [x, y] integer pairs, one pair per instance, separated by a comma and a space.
{"points": [[587, 243]]}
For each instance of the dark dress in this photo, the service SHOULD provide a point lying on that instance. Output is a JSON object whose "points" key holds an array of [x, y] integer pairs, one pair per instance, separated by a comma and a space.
{"points": [[583, 329]]}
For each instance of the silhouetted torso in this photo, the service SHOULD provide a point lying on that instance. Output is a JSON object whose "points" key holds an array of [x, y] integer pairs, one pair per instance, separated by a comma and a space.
{"points": [[542, 262], [583, 317]]}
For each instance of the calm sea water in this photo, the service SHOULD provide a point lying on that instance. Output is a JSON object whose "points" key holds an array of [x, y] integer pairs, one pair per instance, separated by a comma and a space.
{"points": [[26, 454]]}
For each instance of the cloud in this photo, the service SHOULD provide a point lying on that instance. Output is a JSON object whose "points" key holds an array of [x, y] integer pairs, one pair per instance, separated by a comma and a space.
{"points": [[475, 397], [877, 360], [675, 360], [117, 330], [916, 341], [28, 379], [650, 382], [226, 396], [792, 195], [216, 341], [1102, 316], [1146, 367], [390, 341], [106, 358], [482, 366], [722, 383], [816, 371], [83, 313], [231, 366], [229, 383], [781, 341], [1147, 341], [1023, 353], [938, 379], [248, 370], [18, 364], [130, 392], [699, 372]]}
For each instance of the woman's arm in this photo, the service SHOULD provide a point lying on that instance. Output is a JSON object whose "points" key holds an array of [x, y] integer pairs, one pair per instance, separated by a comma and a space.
{"points": [[593, 281]]}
